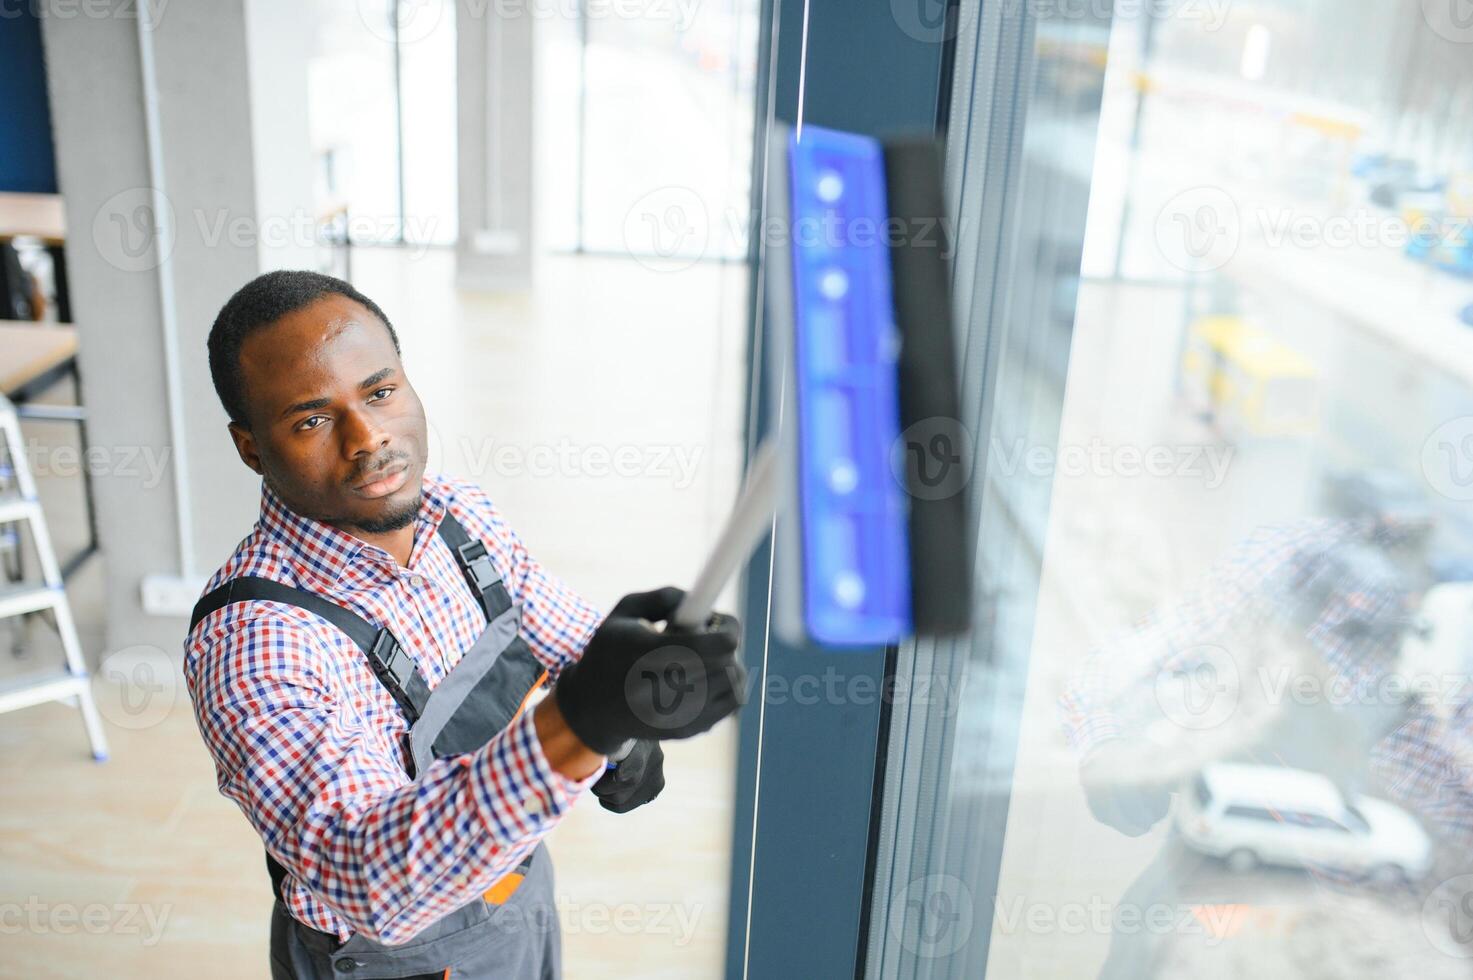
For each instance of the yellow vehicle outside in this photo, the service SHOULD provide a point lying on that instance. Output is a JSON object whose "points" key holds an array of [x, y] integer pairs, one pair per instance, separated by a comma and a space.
{"points": [[1248, 383]]}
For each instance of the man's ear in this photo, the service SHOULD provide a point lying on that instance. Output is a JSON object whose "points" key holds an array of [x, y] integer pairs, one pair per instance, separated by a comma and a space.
{"points": [[245, 445]]}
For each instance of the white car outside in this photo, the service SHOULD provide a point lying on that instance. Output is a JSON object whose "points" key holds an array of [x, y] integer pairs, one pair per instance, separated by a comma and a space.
{"points": [[1250, 815]]}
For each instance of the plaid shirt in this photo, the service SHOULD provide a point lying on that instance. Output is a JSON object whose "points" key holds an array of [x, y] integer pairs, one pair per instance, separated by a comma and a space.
{"points": [[308, 742]]}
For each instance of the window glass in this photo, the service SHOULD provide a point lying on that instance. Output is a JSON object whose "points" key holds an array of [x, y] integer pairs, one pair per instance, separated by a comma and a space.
{"points": [[1215, 272]]}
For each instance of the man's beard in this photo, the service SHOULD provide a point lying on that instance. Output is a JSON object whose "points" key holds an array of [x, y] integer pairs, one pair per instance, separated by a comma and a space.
{"points": [[394, 520]]}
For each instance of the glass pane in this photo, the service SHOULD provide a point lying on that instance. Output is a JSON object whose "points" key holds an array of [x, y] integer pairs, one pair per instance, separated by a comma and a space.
{"points": [[427, 87], [354, 141], [667, 128], [1214, 718]]}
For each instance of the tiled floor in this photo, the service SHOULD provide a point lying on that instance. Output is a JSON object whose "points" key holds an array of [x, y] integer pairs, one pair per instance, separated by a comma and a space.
{"points": [[138, 868]]}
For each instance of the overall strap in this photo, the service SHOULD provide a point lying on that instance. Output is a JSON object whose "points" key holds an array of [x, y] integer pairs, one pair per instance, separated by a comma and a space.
{"points": [[475, 564], [391, 663]]}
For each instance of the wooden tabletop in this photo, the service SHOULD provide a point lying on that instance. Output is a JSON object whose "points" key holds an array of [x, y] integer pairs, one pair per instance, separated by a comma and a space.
{"points": [[38, 215], [32, 349]]}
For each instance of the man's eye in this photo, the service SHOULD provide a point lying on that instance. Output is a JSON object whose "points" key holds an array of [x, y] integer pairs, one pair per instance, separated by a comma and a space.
{"points": [[381, 394], [311, 423]]}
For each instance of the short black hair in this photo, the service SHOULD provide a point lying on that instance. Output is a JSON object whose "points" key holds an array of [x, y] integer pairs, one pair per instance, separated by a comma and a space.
{"points": [[258, 304]]}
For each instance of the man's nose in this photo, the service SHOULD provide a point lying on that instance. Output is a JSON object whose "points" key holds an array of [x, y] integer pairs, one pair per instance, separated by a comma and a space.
{"points": [[362, 434]]}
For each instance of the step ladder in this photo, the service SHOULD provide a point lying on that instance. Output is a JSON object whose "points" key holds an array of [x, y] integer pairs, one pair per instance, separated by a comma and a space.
{"points": [[70, 685]]}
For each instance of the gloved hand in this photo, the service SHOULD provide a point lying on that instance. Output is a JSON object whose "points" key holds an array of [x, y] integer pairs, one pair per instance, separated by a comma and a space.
{"points": [[1132, 808], [636, 682], [637, 779]]}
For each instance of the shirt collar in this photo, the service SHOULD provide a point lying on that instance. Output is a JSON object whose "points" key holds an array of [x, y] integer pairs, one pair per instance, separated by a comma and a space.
{"points": [[323, 553]]}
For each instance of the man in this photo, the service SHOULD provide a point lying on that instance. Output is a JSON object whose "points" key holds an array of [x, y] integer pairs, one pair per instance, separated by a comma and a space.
{"points": [[363, 667]]}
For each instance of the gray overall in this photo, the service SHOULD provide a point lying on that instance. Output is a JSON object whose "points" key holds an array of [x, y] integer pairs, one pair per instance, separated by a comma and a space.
{"points": [[510, 932]]}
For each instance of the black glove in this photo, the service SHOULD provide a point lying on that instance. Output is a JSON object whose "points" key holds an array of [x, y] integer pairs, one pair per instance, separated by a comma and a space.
{"points": [[1132, 808], [635, 682], [637, 779]]}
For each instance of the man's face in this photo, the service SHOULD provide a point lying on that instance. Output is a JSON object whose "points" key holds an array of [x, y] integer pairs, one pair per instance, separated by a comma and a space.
{"points": [[335, 427]]}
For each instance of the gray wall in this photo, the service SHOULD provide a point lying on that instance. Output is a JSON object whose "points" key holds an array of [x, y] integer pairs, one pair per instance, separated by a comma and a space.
{"points": [[219, 205]]}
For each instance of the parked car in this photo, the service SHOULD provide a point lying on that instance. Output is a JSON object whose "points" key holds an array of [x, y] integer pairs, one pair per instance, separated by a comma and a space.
{"points": [[1252, 815]]}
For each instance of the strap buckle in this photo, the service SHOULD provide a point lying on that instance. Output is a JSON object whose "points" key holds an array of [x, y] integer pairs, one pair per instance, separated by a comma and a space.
{"points": [[477, 564], [394, 667]]}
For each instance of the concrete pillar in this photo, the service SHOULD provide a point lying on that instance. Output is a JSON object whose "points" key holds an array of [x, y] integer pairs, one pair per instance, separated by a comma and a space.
{"points": [[231, 158], [494, 129]]}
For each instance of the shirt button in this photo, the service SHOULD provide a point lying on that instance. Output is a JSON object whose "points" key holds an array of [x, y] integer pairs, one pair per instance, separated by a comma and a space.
{"points": [[346, 965], [414, 581]]}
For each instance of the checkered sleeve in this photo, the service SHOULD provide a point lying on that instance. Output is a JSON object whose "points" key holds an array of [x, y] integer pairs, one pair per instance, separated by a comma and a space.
{"points": [[1118, 678], [1426, 764], [557, 623], [328, 793]]}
